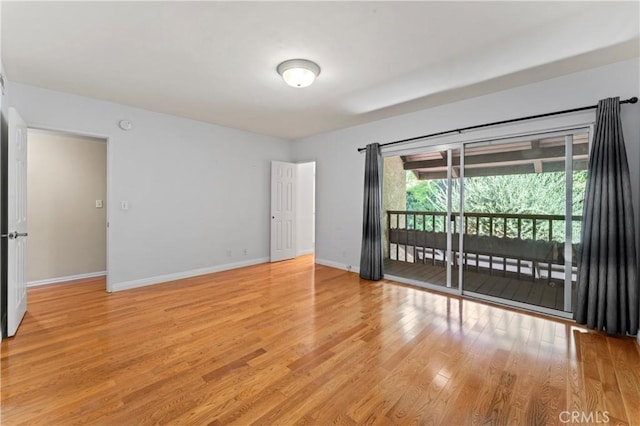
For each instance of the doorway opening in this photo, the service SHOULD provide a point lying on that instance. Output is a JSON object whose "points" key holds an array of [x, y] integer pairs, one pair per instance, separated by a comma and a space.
{"points": [[306, 209], [66, 207]]}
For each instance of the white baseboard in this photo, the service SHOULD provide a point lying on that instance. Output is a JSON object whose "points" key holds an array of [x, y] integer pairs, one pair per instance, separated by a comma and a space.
{"points": [[303, 252], [337, 265], [67, 278], [185, 274]]}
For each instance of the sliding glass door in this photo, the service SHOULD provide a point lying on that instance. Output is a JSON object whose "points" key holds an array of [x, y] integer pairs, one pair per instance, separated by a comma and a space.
{"points": [[421, 198], [496, 219], [522, 204]]}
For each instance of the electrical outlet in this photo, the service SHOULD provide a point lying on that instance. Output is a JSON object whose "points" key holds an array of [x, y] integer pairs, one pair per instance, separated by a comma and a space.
{"points": [[98, 204], [244, 252], [349, 268]]}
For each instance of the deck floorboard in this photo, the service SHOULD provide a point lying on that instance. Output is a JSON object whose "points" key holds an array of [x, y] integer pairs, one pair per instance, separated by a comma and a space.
{"points": [[524, 290]]}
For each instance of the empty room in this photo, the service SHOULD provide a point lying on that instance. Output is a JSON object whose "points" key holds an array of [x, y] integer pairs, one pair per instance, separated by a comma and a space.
{"points": [[319, 213]]}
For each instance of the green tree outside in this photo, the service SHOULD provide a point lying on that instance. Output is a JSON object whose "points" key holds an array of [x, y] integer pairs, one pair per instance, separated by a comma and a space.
{"points": [[536, 193]]}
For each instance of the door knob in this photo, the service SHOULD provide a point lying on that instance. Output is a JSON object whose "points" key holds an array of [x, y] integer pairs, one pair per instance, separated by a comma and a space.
{"points": [[14, 235]]}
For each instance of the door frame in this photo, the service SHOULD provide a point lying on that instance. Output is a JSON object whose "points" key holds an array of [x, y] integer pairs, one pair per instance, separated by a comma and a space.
{"points": [[35, 126]]}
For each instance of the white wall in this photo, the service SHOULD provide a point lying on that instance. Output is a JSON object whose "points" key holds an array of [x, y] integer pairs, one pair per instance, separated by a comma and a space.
{"points": [[340, 168], [195, 190], [305, 207]]}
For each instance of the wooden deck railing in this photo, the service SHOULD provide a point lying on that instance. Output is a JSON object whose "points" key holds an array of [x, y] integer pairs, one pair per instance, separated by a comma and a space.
{"points": [[492, 241]]}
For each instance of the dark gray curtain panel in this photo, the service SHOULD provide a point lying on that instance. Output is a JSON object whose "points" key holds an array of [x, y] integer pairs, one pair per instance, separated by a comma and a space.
{"points": [[607, 296], [371, 254]]}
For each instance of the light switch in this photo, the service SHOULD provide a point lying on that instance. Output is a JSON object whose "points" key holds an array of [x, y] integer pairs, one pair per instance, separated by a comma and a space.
{"points": [[98, 204], [124, 205]]}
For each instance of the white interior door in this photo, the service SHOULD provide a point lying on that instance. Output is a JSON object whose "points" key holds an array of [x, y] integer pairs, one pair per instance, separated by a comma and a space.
{"points": [[17, 222], [283, 211]]}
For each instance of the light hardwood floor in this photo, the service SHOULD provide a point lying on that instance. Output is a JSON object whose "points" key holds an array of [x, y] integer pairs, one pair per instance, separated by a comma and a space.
{"points": [[298, 343]]}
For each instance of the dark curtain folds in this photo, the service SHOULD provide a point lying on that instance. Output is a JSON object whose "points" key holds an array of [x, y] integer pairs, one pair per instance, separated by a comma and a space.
{"points": [[607, 296], [371, 254]]}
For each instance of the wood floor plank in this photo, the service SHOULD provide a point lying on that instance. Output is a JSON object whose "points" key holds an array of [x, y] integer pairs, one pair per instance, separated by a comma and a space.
{"points": [[624, 355], [298, 343]]}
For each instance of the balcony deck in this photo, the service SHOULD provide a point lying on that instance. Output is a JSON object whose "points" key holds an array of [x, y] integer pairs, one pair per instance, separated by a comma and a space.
{"points": [[534, 292]]}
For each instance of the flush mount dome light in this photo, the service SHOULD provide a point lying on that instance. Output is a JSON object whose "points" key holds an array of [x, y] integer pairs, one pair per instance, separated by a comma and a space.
{"points": [[298, 72]]}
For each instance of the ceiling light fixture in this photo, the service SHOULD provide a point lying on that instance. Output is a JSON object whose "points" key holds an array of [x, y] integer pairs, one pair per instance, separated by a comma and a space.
{"points": [[298, 72]]}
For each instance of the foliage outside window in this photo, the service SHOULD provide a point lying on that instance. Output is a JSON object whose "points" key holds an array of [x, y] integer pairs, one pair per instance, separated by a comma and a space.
{"points": [[524, 194]]}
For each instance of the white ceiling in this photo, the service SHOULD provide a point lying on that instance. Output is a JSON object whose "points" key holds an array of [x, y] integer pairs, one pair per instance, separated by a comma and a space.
{"points": [[216, 61]]}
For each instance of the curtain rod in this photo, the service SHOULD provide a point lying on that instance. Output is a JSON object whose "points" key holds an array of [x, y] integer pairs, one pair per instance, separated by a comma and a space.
{"points": [[495, 123]]}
